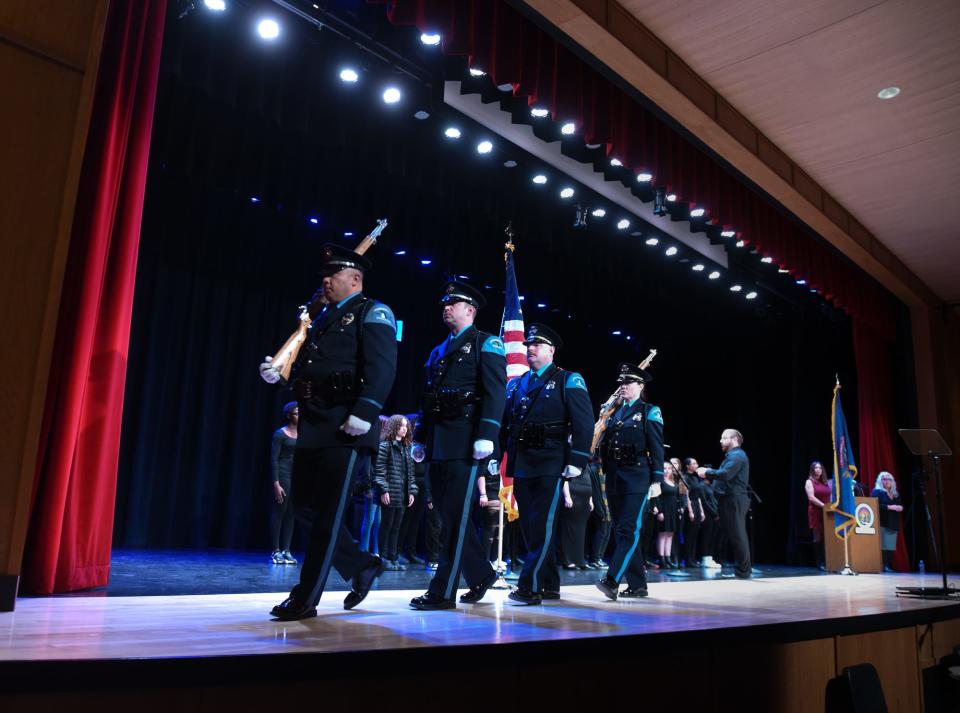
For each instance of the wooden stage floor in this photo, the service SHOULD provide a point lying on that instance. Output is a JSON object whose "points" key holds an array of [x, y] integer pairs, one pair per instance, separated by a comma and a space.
{"points": [[61, 629]]}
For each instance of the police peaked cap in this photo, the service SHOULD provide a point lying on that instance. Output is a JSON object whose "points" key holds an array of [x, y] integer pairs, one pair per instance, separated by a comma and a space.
{"points": [[632, 373], [462, 292], [338, 257], [542, 334]]}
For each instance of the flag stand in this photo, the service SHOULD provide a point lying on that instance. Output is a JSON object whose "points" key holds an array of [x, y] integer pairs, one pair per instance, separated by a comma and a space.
{"points": [[501, 567], [847, 569]]}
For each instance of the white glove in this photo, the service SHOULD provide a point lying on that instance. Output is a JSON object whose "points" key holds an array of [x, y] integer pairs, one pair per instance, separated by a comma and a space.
{"points": [[493, 468], [268, 372], [571, 471], [654, 491], [354, 426], [482, 449]]}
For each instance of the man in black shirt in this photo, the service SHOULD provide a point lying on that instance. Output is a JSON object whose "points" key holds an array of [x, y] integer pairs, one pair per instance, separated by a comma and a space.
{"points": [[730, 487]]}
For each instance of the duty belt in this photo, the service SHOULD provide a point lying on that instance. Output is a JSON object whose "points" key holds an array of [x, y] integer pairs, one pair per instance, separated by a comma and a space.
{"points": [[535, 435], [448, 404], [337, 388]]}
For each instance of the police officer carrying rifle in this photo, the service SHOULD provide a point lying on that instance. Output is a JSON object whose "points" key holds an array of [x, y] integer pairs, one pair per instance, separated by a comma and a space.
{"points": [[342, 377], [632, 452], [547, 428], [462, 404]]}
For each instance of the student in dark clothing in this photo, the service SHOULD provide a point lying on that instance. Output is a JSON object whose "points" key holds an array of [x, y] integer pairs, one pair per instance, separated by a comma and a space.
{"points": [[710, 527], [413, 515], [281, 467], [394, 484], [694, 515], [577, 505], [600, 516], [731, 481], [885, 491]]}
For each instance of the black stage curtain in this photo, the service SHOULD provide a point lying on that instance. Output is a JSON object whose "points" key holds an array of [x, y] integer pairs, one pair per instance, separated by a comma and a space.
{"points": [[220, 277]]}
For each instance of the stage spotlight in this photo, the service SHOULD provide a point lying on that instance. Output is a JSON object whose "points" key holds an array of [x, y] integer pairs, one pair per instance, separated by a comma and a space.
{"points": [[522, 298], [539, 179], [463, 277], [767, 260], [215, 5], [474, 72], [714, 275], [349, 75], [671, 197], [566, 193], [741, 243], [698, 267], [644, 177], [616, 332], [735, 288], [782, 271], [801, 281], [426, 262], [254, 199], [751, 295], [510, 163], [268, 29], [623, 224], [568, 128], [421, 115], [541, 305], [314, 220], [727, 233], [616, 162], [400, 252], [391, 95], [348, 233], [652, 241], [538, 112], [430, 38], [671, 251], [659, 203], [484, 147], [598, 212], [697, 213], [452, 132]]}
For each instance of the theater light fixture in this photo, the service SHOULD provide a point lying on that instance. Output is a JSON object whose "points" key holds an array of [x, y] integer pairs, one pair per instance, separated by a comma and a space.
{"points": [[566, 193], [644, 177], [349, 75], [430, 38], [598, 212], [568, 129], [671, 251], [268, 29], [539, 179], [391, 95], [539, 112], [452, 132], [616, 162], [484, 147]]}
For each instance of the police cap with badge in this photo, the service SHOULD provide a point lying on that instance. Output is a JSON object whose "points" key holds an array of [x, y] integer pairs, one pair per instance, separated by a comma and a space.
{"points": [[542, 334], [338, 257], [631, 373], [455, 291]]}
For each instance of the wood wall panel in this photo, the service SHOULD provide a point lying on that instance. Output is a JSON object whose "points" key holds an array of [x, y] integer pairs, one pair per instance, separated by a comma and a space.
{"points": [[894, 654], [49, 54]]}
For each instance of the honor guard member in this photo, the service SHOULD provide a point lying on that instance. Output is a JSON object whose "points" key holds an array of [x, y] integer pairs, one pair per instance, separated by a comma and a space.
{"points": [[547, 429], [464, 392], [632, 452], [342, 377]]}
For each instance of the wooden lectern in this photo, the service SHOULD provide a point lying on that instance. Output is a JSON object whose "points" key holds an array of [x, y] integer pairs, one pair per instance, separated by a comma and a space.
{"points": [[864, 539]]}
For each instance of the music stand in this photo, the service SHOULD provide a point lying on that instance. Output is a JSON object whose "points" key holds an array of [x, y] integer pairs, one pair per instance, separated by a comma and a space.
{"points": [[928, 442]]}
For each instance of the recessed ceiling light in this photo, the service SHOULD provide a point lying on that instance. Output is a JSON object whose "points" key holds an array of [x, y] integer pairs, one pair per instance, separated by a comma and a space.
{"points": [[566, 193], [598, 212], [652, 241], [644, 177], [568, 128], [697, 213], [484, 147], [735, 288], [671, 251], [671, 197], [349, 75], [751, 295], [727, 233], [421, 115], [510, 163], [888, 93], [474, 72], [391, 95], [539, 112], [430, 38], [540, 179], [623, 224], [767, 259], [616, 162], [740, 243], [714, 275], [452, 132], [698, 267]]}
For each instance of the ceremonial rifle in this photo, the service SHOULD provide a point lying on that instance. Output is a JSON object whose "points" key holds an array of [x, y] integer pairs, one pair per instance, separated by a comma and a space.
{"points": [[286, 356]]}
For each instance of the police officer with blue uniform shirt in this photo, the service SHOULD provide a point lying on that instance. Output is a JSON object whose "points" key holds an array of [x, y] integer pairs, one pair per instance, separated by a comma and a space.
{"points": [[464, 393], [632, 452], [342, 377], [547, 429]]}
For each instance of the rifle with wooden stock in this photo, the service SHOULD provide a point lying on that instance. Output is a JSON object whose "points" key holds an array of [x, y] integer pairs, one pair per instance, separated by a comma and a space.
{"points": [[610, 406], [286, 356]]}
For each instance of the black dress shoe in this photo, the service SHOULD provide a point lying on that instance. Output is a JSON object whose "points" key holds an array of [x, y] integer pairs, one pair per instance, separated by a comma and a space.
{"points": [[362, 581], [525, 596], [430, 602], [609, 587], [634, 593], [476, 592], [550, 594], [292, 610], [651, 564]]}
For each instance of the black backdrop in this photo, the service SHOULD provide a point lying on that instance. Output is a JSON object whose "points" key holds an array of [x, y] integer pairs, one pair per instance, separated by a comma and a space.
{"points": [[220, 277]]}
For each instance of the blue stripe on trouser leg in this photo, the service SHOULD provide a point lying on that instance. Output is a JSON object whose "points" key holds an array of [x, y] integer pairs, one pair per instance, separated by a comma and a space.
{"points": [[335, 531], [464, 517], [636, 539], [548, 535]]}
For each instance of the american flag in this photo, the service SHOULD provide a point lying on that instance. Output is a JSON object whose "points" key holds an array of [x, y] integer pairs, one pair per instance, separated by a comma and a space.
{"points": [[512, 333]]}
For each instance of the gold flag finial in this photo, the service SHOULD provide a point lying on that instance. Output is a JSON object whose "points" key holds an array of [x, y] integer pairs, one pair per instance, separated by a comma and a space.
{"points": [[508, 231]]}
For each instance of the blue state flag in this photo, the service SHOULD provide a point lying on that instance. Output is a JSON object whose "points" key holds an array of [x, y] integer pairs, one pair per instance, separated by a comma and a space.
{"points": [[844, 470]]}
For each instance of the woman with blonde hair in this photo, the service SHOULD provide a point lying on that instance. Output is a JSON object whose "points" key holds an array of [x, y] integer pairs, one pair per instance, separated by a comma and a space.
{"points": [[888, 498]]}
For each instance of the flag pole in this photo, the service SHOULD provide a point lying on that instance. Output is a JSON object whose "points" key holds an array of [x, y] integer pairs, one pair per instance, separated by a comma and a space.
{"points": [[847, 570]]}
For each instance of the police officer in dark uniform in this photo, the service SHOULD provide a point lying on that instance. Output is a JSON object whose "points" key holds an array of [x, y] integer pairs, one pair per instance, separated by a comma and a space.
{"points": [[342, 377], [632, 452], [547, 429], [464, 392]]}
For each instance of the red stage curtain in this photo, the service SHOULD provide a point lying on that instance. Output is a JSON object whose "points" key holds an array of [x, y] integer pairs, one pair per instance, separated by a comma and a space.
{"points": [[513, 50], [875, 415], [71, 527]]}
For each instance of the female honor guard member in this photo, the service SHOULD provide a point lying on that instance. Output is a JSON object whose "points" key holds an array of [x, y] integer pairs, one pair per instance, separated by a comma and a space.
{"points": [[547, 429], [459, 421], [632, 451], [343, 375]]}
